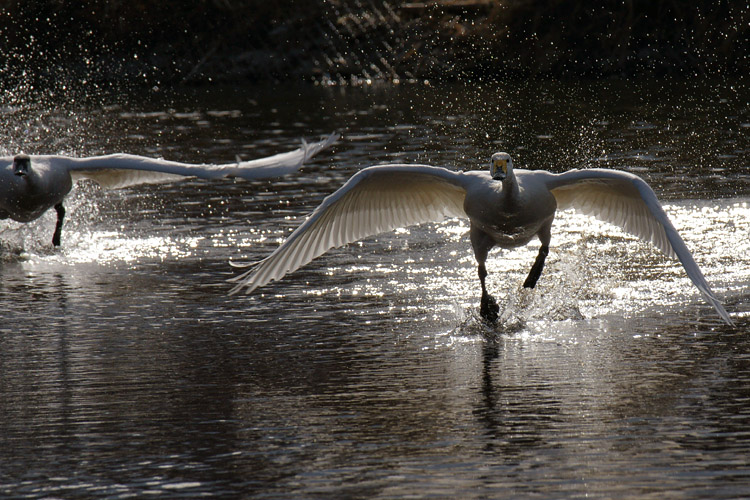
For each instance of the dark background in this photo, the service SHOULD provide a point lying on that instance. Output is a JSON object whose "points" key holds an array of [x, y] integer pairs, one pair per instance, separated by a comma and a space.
{"points": [[344, 41]]}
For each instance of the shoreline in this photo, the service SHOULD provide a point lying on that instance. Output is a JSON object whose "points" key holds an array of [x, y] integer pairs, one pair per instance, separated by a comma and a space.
{"points": [[343, 42]]}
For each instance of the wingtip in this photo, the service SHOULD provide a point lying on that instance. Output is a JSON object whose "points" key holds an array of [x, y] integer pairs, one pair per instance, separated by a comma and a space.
{"points": [[316, 147], [335, 136], [243, 280], [717, 305], [724, 315], [243, 284], [238, 284]]}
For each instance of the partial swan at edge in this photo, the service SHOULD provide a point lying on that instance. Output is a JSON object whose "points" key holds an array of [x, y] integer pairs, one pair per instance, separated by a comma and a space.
{"points": [[32, 184]]}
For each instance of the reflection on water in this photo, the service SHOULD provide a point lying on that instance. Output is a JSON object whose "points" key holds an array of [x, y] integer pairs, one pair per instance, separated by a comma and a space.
{"points": [[127, 371]]}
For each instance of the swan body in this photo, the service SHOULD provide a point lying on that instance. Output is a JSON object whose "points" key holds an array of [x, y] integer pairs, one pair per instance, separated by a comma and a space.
{"points": [[31, 185], [505, 207]]}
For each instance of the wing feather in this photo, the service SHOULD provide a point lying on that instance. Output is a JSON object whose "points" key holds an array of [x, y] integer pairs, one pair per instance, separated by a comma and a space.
{"points": [[375, 200], [618, 198], [628, 201], [122, 170]]}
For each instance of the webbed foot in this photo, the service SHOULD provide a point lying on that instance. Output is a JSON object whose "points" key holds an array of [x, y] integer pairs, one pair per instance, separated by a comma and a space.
{"points": [[488, 308]]}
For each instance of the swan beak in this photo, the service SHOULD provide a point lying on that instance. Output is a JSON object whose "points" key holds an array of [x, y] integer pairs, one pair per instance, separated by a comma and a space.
{"points": [[21, 165], [20, 170], [500, 170]]}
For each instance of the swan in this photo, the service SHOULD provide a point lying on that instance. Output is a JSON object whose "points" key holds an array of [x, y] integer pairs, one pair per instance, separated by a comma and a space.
{"points": [[32, 184], [506, 208]]}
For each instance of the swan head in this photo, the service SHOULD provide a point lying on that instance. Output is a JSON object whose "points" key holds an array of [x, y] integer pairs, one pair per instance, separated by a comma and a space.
{"points": [[21, 165], [501, 166]]}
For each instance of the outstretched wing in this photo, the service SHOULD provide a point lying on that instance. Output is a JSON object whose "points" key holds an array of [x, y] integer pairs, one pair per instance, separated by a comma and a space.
{"points": [[626, 200], [122, 170], [375, 200]]}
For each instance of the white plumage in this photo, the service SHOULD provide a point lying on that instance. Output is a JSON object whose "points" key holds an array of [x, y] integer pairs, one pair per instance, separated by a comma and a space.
{"points": [[506, 208], [32, 184]]}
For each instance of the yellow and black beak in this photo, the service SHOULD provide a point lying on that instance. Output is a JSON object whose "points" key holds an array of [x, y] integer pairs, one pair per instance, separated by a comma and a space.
{"points": [[499, 169], [21, 165]]}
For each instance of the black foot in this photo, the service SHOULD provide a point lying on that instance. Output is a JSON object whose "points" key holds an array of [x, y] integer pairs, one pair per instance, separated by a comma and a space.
{"points": [[489, 309]]}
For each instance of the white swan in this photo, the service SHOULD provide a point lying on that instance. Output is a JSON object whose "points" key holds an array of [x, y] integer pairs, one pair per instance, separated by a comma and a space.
{"points": [[506, 208], [31, 185]]}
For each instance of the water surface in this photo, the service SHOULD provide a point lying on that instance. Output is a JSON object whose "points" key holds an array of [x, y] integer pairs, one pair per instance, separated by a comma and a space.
{"points": [[127, 371]]}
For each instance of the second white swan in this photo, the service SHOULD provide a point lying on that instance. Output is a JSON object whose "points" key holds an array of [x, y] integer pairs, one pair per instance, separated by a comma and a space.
{"points": [[31, 185]]}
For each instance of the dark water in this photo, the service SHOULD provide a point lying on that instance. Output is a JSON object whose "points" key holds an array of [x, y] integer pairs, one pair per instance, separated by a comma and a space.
{"points": [[126, 370]]}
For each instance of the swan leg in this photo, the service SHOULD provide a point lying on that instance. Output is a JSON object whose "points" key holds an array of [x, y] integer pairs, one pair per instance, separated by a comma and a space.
{"points": [[488, 307], [58, 227], [545, 236], [536, 269], [482, 244]]}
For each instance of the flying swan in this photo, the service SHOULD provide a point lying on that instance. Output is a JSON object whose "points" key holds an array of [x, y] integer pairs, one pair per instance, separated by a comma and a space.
{"points": [[506, 208], [31, 185]]}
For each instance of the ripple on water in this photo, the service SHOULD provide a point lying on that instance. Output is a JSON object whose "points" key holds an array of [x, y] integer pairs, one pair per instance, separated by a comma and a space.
{"points": [[127, 371]]}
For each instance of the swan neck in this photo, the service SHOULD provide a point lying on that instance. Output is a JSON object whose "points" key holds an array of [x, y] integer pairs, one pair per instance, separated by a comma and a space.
{"points": [[510, 186]]}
